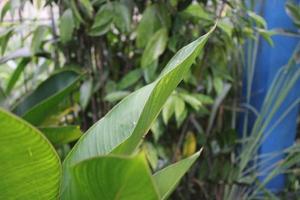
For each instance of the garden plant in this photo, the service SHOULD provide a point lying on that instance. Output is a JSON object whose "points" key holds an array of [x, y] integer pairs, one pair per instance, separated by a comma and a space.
{"points": [[124, 99]]}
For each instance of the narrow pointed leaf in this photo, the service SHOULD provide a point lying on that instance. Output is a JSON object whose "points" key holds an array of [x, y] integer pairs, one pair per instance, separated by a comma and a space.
{"points": [[167, 179], [16, 74], [30, 167]]}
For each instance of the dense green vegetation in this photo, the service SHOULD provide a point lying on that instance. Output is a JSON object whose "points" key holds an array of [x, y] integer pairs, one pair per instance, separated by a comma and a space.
{"points": [[115, 99]]}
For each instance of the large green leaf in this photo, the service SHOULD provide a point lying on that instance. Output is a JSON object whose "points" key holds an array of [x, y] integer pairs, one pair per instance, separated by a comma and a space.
{"points": [[167, 179], [113, 177], [39, 105], [30, 167], [61, 134], [131, 119]]}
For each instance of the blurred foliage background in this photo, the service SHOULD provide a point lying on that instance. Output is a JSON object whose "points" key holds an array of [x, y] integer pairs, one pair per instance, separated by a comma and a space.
{"points": [[65, 63]]}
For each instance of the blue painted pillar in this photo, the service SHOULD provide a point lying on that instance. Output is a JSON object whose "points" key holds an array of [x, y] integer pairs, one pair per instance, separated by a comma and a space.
{"points": [[269, 61]]}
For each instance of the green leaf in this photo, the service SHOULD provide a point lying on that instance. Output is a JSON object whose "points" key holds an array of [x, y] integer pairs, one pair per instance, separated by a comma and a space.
{"points": [[88, 7], [76, 13], [150, 72], [292, 9], [191, 100], [4, 39], [155, 47], [116, 96], [267, 35], [66, 26], [168, 109], [103, 20], [113, 177], [4, 10], [129, 79], [38, 37], [168, 178], [153, 19], [204, 99], [180, 111], [122, 17], [16, 74], [61, 134], [2, 96], [196, 10], [121, 130], [260, 21], [38, 105], [86, 91], [226, 26], [151, 154], [218, 85], [30, 167]]}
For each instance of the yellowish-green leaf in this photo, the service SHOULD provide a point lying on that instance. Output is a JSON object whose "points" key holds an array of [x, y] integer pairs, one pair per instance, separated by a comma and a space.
{"points": [[30, 167], [190, 144]]}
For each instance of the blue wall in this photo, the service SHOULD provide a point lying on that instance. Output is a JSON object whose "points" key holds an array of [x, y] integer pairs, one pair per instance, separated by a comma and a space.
{"points": [[269, 61]]}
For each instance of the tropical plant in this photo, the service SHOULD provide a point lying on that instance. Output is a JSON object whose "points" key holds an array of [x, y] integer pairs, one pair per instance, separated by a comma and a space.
{"points": [[104, 163], [64, 73]]}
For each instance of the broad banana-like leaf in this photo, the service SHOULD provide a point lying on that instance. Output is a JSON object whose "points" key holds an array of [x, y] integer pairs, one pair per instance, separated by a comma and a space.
{"points": [[113, 177], [30, 167], [36, 107], [167, 179], [61, 134], [122, 129]]}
